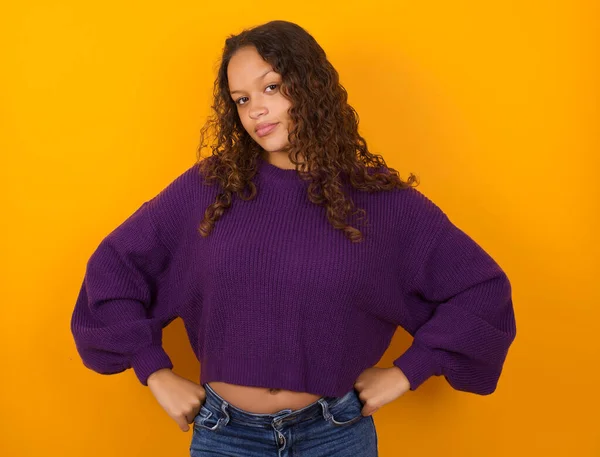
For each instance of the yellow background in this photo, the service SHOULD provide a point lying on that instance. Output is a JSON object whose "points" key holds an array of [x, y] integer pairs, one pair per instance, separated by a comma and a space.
{"points": [[494, 105]]}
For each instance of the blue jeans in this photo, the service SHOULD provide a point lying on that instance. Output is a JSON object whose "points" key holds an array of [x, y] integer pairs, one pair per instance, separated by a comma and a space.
{"points": [[329, 427]]}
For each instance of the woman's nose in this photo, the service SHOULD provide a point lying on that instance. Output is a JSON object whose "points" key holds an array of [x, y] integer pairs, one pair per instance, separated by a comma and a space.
{"points": [[255, 112]]}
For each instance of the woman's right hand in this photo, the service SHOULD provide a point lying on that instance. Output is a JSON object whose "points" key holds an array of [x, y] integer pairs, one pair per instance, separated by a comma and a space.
{"points": [[179, 397]]}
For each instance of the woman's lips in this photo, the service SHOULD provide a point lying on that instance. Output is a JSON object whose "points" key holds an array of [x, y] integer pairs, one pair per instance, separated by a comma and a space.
{"points": [[266, 130]]}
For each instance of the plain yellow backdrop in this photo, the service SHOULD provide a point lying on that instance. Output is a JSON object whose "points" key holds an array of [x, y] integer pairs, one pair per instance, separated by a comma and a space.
{"points": [[494, 105]]}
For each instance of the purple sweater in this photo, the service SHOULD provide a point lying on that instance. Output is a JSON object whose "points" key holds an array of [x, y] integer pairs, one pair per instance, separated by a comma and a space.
{"points": [[276, 297]]}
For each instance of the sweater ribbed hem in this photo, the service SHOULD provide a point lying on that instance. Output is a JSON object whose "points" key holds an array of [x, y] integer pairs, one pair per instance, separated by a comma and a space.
{"points": [[149, 360]]}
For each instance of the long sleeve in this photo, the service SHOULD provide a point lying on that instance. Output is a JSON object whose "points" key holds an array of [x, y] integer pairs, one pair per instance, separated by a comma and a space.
{"points": [[462, 311], [119, 315]]}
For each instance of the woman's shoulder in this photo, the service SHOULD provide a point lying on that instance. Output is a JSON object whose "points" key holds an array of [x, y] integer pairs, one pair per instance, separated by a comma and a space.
{"points": [[409, 201], [187, 186], [182, 198]]}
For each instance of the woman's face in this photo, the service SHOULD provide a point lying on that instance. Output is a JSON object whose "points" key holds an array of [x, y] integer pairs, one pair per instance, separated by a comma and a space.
{"points": [[255, 89]]}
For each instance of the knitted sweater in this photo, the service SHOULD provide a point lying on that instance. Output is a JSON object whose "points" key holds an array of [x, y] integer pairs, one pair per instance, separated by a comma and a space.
{"points": [[276, 297]]}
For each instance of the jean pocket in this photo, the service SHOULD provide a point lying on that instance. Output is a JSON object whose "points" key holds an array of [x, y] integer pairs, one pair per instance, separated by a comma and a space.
{"points": [[347, 411], [208, 419]]}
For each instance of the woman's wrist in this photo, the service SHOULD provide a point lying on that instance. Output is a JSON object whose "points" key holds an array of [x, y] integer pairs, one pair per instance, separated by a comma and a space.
{"points": [[158, 374]]}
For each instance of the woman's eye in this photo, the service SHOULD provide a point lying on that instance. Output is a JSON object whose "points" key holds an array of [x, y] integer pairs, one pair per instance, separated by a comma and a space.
{"points": [[241, 98]]}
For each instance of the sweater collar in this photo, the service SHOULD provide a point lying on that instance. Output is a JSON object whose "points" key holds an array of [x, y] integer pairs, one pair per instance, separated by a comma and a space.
{"points": [[270, 171]]}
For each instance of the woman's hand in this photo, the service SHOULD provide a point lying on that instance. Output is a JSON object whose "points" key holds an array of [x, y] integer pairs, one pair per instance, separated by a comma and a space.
{"points": [[379, 386], [179, 397]]}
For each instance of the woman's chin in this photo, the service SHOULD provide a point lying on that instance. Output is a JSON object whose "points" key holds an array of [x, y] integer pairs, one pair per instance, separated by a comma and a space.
{"points": [[273, 146]]}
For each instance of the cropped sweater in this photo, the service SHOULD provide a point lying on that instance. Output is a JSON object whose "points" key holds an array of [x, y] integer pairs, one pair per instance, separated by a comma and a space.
{"points": [[277, 297]]}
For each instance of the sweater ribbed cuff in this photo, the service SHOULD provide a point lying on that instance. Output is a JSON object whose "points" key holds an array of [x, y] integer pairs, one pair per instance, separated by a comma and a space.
{"points": [[149, 360], [418, 364]]}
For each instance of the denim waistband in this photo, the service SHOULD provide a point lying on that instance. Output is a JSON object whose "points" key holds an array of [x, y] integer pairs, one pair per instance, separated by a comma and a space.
{"points": [[316, 409]]}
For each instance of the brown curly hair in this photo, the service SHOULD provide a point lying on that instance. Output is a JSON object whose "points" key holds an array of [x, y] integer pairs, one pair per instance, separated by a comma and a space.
{"points": [[325, 132]]}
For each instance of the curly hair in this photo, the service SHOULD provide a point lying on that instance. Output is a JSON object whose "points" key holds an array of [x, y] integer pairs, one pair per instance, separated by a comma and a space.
{"points": [[325, 130]]}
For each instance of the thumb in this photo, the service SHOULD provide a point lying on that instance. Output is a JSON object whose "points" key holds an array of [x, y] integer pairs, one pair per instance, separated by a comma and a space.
{"points": [[201, 391]]}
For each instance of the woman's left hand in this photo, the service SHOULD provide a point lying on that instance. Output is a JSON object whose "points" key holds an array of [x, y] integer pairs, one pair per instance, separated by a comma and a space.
{"points": [[379, 386]]}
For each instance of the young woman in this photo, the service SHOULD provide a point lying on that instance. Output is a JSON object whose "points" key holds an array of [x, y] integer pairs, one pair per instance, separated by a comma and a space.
{"points": [[289, 300]]}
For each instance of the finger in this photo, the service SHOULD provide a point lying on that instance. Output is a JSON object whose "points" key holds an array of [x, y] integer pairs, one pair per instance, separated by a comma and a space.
{"points": [[191, 417], [183, 425], [368, 410], [361, 396]]}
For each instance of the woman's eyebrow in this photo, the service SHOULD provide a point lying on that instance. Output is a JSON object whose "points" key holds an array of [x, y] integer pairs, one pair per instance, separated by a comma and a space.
{"points": [[260, 77]]}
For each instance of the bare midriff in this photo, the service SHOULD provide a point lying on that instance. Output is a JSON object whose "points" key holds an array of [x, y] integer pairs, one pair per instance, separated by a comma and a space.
{"points": [[262, 400]]}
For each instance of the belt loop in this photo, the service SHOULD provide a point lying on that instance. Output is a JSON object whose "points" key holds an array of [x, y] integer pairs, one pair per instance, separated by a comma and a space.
{"points": [[325, 407], [279, 415], [225, 409]]}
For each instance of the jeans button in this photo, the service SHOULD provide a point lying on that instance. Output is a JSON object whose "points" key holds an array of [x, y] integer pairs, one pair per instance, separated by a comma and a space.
{"points": [[280, 439]]}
